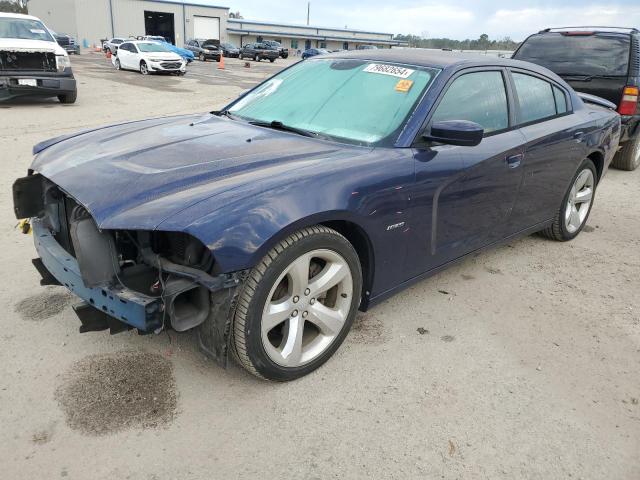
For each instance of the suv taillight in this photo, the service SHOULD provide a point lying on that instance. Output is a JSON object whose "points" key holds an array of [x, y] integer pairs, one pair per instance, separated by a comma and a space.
{"points": [[629, 103]]}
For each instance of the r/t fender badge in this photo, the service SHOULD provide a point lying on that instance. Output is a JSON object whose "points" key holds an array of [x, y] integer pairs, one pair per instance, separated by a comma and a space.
{"points": [[395, 225]]}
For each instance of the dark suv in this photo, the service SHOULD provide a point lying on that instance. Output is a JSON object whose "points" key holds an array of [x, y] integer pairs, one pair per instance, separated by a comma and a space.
{"points": [[601, 61], [258, 51], [284, 52], [205, 49]]}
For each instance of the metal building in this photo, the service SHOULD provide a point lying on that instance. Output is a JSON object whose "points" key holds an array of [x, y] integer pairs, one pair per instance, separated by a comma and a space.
{"points": [[90, 21]]}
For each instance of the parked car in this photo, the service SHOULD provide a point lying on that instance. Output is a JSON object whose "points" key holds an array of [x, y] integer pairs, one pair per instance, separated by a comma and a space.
{"points": [[602, 61], [67, 42], [259, 51], [312, 52], [229, 50], [283, 51], [32, 63], [148, 57], [112, 45], [292, 211], [183, 52], [205, 49]]}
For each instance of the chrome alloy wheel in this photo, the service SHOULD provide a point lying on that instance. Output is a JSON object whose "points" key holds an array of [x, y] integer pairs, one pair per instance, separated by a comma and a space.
{"points": [[579, 201], [306, 308]]}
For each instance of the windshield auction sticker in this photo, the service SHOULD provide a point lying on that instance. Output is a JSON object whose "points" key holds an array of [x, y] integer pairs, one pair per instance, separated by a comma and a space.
{"points": [[392, 70]]}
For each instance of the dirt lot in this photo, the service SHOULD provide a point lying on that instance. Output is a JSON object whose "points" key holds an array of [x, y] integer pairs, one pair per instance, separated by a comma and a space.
{"points": [[523, 362]]}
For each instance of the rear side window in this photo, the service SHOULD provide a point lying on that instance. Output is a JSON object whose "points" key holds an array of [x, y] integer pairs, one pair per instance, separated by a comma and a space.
{"points": [[561, 100], [477, 97], [535, 96], [597, 54]]}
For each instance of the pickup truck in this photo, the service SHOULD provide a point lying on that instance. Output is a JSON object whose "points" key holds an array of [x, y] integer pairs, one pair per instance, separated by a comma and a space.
{"points": [[32, 63], [258, 51]]}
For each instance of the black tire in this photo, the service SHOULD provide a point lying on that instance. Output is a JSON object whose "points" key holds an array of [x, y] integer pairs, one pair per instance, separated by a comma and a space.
{"points": [[202, 58], [118, 65], [558, 229], [257, 58], [68, 98], [272, 60], [240, 56], [247, 339], [144, 70], [628, 158]]}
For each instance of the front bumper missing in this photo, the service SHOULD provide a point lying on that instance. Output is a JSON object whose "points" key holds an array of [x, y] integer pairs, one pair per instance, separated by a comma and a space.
{"points": [[119, 308], [135, 309]]}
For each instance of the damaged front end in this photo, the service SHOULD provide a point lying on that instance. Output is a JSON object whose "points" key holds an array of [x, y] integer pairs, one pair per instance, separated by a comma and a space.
{"points": [[148, 280]]}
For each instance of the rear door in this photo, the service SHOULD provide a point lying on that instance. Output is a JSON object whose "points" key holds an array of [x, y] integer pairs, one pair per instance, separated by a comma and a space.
{"points": [[124, 55], [596, 63], [553, 146]]}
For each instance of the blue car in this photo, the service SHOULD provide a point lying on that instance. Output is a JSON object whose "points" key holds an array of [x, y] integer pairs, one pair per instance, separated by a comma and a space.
{"points": [[312, 52], [266, 225], [183, 52]]}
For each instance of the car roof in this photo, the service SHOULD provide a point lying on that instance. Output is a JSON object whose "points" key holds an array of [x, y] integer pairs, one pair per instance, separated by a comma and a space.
{"points": [[18, 15], [435, 58]]}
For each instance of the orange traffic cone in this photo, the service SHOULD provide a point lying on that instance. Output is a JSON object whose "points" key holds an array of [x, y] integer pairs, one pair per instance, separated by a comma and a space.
{"points": [[221, 63], [109, 53]]}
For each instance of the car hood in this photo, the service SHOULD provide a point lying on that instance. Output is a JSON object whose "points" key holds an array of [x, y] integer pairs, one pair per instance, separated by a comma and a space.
{"points": [[162, 55], [137, 175], [24, 45]]}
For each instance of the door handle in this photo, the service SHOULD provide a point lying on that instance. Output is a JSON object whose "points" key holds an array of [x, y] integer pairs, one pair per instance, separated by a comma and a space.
{"points": [[514, 161], [578, 136]]}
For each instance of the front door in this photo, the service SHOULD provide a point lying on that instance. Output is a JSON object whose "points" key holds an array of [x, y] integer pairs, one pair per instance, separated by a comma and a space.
{"points": [[464, 196]]}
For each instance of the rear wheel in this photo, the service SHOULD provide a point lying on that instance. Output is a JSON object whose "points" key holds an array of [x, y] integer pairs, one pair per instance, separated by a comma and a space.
{"points": [[576, 205], [68, 98], [297, 305], [272, 60], [144, 70], [628, 158], [257, 58]]}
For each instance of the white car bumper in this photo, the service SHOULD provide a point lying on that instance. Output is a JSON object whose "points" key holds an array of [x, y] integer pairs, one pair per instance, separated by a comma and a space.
{"points": [[168, 66]]}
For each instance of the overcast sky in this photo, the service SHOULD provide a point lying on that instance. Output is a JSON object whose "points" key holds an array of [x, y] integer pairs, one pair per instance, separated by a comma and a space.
{"points": [[450, 18]]}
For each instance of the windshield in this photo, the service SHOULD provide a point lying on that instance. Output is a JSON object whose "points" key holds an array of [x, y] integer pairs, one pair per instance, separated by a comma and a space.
{"points": [[24, 28], [601, 54], [116, 41], [159, 39], [357, 101], [210, 44], [152, 47]]}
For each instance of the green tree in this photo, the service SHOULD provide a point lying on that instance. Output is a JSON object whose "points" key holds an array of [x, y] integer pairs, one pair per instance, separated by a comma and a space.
{"points": [[12, 6]]}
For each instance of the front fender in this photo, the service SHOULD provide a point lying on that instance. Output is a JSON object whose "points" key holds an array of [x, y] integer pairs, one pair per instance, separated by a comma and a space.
{"points": [[240, 229]]}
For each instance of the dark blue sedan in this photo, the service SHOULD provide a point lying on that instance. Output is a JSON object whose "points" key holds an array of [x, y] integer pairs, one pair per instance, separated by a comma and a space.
{"points": [[312, 52], [268, 224]]}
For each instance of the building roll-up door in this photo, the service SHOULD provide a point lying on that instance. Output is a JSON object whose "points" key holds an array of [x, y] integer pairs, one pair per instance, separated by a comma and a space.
{"points": [[206, 27]]}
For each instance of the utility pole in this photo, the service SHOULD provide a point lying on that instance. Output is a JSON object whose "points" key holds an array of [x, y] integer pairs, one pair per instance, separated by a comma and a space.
{"points": [[308, 11]]}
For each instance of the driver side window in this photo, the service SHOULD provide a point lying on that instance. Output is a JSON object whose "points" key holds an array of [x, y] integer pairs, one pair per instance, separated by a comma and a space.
{"points": [[477, 97]]}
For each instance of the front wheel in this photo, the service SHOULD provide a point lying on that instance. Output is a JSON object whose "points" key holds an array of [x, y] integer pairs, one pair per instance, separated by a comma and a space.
{"points": [[272, 60], [202, 57], [297, 305], [576, 205], [144, 70], [240, 57], [118, 65], [257, 58]]}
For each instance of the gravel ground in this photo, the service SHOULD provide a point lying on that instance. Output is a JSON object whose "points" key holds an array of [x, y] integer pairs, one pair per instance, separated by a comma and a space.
{"points": [[521, 362]]}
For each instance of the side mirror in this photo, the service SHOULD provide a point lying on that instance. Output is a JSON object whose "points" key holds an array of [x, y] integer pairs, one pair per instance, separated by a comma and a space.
{"points": [[455, 132]]}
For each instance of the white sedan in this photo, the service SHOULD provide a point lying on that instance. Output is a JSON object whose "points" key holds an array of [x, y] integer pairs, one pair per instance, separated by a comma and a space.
{"points": [[148, 57]]}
